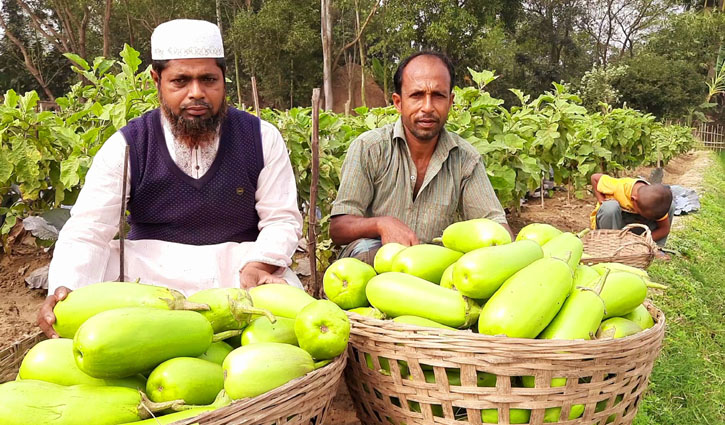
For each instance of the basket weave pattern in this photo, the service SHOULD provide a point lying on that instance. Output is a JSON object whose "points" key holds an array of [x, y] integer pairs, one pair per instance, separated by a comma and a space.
{"points": [[303, 401], [602, 370], [620, 246]]}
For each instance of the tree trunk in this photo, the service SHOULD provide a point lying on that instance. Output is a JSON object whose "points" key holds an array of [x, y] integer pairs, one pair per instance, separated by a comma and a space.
{"points": [[236, 76], [106, 29], [130, 28], [326, 29], [219, 16], [362, 55], [35, 72]]}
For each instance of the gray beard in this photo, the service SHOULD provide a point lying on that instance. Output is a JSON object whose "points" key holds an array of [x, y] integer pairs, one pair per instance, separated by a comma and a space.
{"points": [[194, 132]]}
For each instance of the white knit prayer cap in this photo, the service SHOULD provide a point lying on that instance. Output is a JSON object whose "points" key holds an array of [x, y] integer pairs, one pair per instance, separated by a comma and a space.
{"points": [[186, 39]]}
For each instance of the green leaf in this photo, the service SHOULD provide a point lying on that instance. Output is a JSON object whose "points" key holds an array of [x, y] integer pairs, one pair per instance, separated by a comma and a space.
{"points": [[6, 168], [11, 98], [118, 115], [77, 60], [131, 57], [69, 172]]}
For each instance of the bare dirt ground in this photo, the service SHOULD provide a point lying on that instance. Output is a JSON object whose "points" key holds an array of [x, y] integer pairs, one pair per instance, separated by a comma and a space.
{"points": [[19, 305]]}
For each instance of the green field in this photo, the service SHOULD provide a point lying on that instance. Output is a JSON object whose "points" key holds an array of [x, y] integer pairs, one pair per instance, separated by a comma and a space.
{"points": [[687, 384]]}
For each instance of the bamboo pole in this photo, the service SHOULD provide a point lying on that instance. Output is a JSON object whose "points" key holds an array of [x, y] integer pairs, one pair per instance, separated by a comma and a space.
{"points": [[255, 94], [312, 210]]}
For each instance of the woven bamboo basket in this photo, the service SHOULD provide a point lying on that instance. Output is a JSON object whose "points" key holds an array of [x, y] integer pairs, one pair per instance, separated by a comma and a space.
{"points": [[303, 401], [620, 246], [613, 373]]}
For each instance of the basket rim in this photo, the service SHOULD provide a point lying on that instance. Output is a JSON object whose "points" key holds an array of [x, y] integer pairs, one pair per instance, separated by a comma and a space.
{"points": [[396, 329]]}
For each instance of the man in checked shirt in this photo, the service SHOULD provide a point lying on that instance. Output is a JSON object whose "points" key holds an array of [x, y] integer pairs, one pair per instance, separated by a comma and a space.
{"points": [[407, 181]]}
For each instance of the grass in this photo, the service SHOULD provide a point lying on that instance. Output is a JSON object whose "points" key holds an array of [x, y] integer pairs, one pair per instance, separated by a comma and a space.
{"points": [[687, 385]]}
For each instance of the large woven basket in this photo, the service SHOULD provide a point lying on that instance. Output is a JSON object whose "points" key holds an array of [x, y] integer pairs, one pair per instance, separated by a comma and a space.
{"points": [[303, 401], [603, 371], [620, 246]]}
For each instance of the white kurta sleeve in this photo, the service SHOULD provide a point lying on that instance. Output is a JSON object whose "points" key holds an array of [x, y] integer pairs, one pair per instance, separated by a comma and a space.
{"points": [[82, 250], [280, 222]]}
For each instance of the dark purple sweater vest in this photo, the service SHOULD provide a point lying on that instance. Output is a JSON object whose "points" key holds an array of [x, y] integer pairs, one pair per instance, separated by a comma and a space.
{"points": [[167, 204]]}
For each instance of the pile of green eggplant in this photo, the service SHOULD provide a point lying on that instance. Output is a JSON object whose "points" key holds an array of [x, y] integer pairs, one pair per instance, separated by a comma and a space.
{"points": [[136, 353], [482, 281]]}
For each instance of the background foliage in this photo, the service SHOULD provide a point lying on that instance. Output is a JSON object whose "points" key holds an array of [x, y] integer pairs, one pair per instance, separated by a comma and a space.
{"points": [[44, 156]]}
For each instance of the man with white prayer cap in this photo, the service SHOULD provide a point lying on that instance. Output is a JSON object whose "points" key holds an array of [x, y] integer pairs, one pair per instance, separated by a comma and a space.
{"points": [[210, 190]]}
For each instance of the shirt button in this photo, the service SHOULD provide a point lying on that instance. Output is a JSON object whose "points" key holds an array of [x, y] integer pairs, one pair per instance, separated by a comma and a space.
{"points": [[197, 167], [412, 178]]}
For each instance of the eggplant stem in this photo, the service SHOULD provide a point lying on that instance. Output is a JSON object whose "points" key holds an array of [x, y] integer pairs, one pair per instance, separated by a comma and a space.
{"points": [[226, 334], [147, 408], [258, 311], [190, 305], [322, 363], [602, 281], [221, 400], [655, 285]]}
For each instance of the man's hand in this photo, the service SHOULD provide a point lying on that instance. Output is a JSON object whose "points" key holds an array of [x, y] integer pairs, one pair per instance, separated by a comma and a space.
{"points": [[256, 273], [46, 318], [391, 229]]}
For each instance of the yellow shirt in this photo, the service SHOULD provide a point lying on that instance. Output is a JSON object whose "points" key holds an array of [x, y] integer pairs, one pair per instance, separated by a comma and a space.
{"points": [[619, 190]]}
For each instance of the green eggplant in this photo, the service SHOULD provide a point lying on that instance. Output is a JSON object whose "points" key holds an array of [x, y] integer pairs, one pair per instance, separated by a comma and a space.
{"points": [[216, 352], [90, 300], [641, 316], [280, 299], [622, 292], [422, 298], [516, 416], [567, 247], [585, 276], [187, 411], [540, 233], [229, 308], [368, 312], [385, 365], [420, 321], [383, 261], [193, 380], [262, 330], [479, 273], [528, 301], [131, 340], [52, 360], [254, 369], [483, 379], [425, 261], [465, 236], [447, 277], [40, 403], [617, 327], [617, 267]]}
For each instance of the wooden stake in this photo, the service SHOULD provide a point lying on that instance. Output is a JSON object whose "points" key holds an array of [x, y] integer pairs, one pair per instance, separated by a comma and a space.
{"points": [[541, 190], [312, 211], [255, 95], [122, 220]]}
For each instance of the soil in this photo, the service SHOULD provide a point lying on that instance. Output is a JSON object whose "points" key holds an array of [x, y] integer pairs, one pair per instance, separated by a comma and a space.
{"points": [[374, 96], [19, 305]]}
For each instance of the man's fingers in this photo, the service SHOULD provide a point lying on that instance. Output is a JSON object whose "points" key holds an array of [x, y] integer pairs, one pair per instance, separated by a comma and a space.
{"points": [[61, 292]]}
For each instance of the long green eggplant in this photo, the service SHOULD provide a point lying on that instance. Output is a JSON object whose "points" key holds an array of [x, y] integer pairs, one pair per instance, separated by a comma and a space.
{"points": [[193, 380], [479, 273], [540, 233], [425, 261], [447, 277], [399, 294], [483, 379], [44, 403], [383, 261], [421, 321], [617, 327], [465, 236], [585, 276], [528, 301], [216, 352], [622, 292], [280, 299], [187, 411], [567, 247], [229, 308], [641, 316], [254, 369], [52, 360], [262, 330], [617, 267], [516, 416], [90, 300], [130, 340], [579, 317], [368, 312]]}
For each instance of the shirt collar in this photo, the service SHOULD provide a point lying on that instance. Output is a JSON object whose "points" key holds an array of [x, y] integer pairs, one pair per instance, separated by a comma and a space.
{"points": [[445, 141]]}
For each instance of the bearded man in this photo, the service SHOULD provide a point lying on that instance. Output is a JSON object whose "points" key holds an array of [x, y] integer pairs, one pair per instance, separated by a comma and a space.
{"points": [[211, 194]]}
